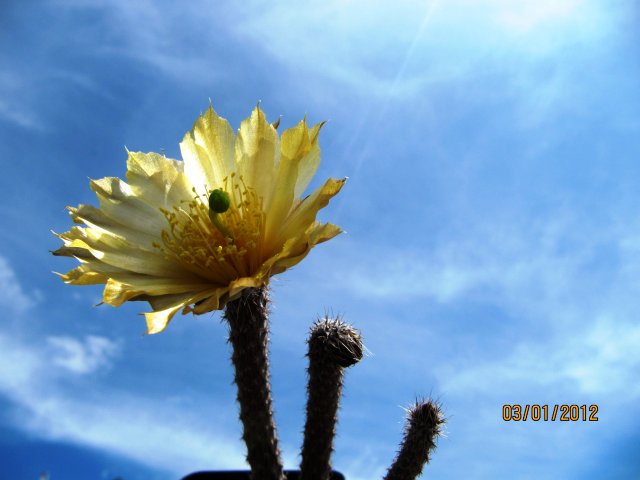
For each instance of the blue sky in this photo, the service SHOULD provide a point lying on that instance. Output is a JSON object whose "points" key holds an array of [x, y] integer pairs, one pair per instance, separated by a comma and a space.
{"points": [[492, 210]]}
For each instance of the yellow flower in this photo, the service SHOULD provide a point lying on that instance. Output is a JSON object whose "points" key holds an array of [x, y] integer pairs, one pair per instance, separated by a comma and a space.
{"points": [[154, 238]]}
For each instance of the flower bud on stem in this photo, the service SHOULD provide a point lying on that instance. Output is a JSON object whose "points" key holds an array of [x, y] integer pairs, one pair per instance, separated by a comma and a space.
{"points": [[333, 346]]}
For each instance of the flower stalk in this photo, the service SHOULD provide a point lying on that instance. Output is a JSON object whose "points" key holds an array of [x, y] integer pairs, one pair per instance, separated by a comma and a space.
{"points": [[333, 346], [424, 424], [247, 317]]}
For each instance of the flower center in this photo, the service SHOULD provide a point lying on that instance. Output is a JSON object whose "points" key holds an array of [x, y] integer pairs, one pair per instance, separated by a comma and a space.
{"points": [[217, 243]]}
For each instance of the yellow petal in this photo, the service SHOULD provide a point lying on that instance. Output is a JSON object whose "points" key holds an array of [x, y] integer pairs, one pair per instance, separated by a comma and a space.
{"points": [[294, 146], [92, 271], [309, 162], [166, 307], [158, 320], [295, 142], [96, 220], [150, 164], [208, 151], [255, 153], [123, 287], [319, 233], [79, 253], [81, 276], [116, 293], [304, 214], [215, 301], [118, 202], [236, 287], [117, 252], [157, 180], [116, 255]]}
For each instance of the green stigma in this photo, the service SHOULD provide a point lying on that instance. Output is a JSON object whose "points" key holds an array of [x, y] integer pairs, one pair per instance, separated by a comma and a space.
{"points": [[219, 201]]}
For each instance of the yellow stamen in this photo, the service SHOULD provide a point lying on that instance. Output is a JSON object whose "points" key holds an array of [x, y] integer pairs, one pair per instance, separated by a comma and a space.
{"points": [[207, 245]]}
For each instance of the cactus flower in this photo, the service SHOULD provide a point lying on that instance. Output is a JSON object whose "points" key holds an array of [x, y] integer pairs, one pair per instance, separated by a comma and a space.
{"points": [[190, 235]]}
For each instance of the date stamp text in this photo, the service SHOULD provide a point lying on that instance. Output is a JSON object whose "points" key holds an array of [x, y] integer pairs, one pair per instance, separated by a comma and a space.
{"points": [[550, 413]]}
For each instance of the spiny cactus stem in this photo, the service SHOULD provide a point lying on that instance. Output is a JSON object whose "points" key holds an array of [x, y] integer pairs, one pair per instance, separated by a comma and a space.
{"points": [[247, 317], [333, 346], [424, 423]]}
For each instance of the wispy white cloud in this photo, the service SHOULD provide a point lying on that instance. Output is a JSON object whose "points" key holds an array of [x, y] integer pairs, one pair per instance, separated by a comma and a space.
{"points": [[19, 115], [430, 41], [596, 365], [146, 32], [508, 260], [20, 93], [12, 296], [365, 465], [600, 361], [15, 101], [566, 282], [82, 81], [387, 52], [152, 431], [48, 380], [82, 357]]}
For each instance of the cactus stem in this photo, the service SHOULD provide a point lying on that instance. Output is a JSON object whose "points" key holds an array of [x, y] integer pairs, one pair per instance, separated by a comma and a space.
{"points": [[424, 425], [247, 317]]}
